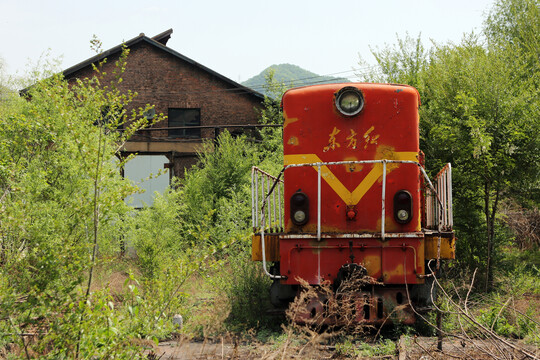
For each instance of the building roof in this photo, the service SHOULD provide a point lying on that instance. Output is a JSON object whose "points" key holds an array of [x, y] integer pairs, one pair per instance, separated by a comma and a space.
{"points": [[159, 41]]}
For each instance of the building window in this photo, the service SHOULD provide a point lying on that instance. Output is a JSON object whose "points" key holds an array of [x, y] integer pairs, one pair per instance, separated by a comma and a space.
{"points": [[184, 117], [111, 118]]}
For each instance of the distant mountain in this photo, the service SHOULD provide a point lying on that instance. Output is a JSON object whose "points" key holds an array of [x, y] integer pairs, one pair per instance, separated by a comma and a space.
{"points": [[291, 76]]}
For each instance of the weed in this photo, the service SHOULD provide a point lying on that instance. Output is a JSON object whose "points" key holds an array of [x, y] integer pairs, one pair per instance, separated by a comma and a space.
{"points": [[354, 348]]}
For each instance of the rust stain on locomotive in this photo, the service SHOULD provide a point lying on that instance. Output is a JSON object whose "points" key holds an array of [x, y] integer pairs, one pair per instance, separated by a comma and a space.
{"points": [[288, 120], [352, 167], [293, 140], [372, 263]]}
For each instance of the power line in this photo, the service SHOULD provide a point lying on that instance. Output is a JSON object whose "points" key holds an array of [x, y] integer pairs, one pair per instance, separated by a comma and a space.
{"points": [[368, 67], [248, 89]]}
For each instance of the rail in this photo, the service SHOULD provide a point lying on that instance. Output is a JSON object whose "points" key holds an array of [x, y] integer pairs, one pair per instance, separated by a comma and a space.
{"points": [[440, 217], [266, 197], [440, 205]]}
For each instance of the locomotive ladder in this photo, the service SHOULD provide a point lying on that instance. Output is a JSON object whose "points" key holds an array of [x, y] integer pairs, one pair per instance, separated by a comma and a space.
{"points": [[438, 198]]}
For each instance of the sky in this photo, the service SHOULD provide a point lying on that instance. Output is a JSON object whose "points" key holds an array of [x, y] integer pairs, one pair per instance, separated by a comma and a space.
{"points": [[236, 38]]}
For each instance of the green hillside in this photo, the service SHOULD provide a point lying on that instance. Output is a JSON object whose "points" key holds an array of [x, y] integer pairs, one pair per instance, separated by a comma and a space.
{"points": [[291, 76]]}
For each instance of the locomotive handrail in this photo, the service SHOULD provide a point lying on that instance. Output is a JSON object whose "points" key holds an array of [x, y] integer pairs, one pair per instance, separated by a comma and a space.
{"points": [[254, 180], [382, 161], [443, 188], [275, 220], [443, 211]]}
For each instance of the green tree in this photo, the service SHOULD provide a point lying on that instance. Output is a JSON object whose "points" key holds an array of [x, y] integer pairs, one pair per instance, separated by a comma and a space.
{"points": [[514, 25], [216, 192], [271, 145], [474, 120], [62, 200], [480, 111], [512, 28], [5, 88], [402, 63]]}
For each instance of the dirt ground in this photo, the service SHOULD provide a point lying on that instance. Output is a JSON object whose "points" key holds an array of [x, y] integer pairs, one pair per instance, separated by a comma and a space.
{"points": [[184, 350], [407, 348], [426, 348]]}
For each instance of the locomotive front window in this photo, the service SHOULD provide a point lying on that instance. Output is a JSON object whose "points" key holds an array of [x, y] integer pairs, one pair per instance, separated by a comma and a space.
{"points": [[349, 101]]}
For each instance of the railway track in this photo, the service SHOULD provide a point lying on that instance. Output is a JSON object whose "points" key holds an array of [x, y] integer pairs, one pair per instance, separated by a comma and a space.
{"points": [[407, 348]]}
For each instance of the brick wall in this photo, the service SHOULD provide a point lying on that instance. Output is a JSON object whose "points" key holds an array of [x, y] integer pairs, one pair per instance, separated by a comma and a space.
{"points": [[181, 164], [166, 81]]}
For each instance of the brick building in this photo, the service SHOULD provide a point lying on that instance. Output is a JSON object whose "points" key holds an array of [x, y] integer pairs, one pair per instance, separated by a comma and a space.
{"points": [[191, 94]]}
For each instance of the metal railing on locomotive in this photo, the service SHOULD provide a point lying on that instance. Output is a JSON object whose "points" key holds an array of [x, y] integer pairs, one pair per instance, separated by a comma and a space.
{"points": [[439, 217], [266, 183]]}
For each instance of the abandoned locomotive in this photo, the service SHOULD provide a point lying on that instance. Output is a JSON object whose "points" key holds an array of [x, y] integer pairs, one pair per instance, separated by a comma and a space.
{"points": [[353, 197]]}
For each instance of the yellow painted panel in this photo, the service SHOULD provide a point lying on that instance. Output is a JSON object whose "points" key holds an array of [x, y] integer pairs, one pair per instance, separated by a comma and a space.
{"points": [[271, 244], [448, 247]]}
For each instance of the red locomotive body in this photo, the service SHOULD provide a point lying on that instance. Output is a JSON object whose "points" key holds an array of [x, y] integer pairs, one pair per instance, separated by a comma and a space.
{"points": [[354, 194]]}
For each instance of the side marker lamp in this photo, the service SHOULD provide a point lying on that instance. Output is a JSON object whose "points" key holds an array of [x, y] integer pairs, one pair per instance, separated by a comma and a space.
{"points": [[299, 208], [299, 216], [402, 215], [403, 207]]}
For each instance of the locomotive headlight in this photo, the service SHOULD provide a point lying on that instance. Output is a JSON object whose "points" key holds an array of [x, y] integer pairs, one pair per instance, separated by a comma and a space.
{"points": [[299, 208], [349, 101], [403, 207]]}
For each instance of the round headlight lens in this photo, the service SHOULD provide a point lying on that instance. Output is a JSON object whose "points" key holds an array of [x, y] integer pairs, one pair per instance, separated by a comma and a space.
{"points": [[403, 215], [299, 216], [349, 101]]}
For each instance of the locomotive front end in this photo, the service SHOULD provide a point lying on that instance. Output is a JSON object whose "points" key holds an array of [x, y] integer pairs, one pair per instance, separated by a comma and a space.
{"points": [[354, 198]]}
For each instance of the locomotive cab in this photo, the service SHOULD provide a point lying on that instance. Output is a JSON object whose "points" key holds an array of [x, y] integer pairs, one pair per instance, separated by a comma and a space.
{"points": [[353, 198]]}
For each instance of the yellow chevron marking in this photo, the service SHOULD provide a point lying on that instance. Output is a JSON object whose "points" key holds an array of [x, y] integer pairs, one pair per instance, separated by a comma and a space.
{"points": [[350, 198]]}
